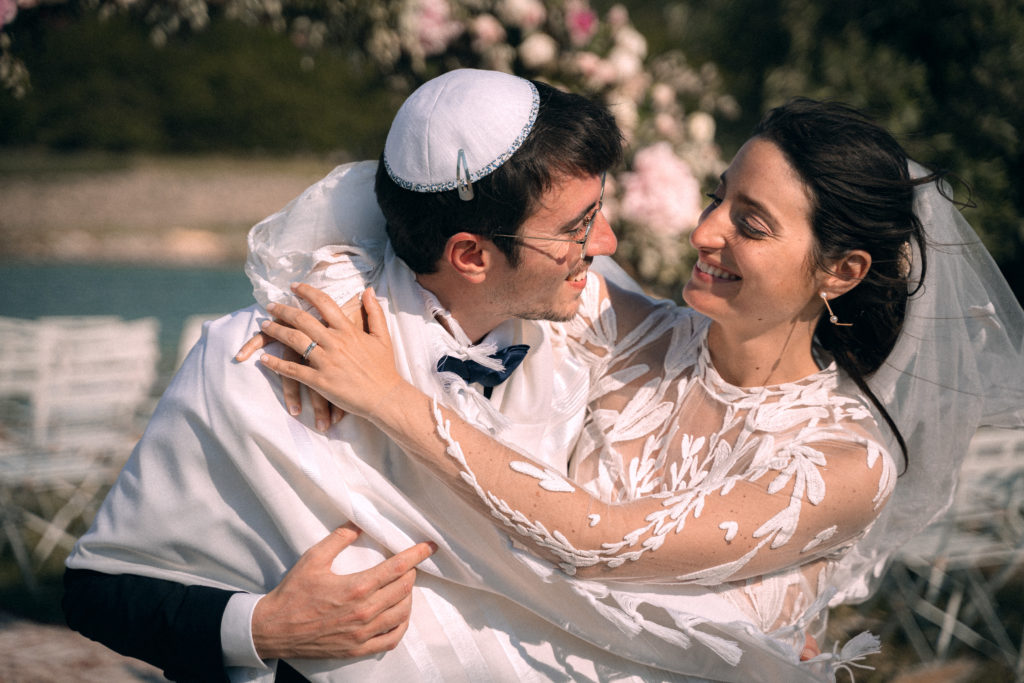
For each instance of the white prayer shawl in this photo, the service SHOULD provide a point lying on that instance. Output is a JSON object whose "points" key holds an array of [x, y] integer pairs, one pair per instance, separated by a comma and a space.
{"points": [[226, 489]]}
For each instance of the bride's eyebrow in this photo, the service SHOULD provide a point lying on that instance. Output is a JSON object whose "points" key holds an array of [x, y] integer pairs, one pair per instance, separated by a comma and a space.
{"points": [[757, 206], [762, 210]]}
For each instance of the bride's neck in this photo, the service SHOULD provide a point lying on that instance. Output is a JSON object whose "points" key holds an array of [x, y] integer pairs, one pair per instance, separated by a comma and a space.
{"points": [[763, 359]]}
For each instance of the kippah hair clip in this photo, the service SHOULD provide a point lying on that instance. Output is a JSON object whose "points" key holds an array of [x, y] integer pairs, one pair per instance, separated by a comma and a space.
{"points": [[462, 177]]}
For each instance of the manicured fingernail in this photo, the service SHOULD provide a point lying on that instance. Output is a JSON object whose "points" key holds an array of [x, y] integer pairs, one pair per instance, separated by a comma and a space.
{"points": [[295, 285], [271, 306], [264, 358], [265, 324], [321, 424], [294, 410]]}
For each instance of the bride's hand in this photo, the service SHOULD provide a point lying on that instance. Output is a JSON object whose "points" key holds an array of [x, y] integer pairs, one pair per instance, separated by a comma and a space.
{"points": [[325, 413], [353, 369]]}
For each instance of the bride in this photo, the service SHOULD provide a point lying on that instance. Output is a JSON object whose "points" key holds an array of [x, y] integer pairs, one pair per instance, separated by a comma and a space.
{"points": [[749, 444]]}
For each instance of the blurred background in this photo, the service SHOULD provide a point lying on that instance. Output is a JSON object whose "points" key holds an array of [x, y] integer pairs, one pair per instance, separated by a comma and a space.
{"points": [[140, 140]]}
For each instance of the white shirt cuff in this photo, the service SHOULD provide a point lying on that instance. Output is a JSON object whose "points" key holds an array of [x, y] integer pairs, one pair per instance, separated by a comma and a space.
{"points": [[236, 633]]}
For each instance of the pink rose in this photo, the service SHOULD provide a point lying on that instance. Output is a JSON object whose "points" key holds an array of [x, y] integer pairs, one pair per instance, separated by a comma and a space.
{"points": [[580, 21], [435, 29], [8, 10], [487, 31], [660, 193]]}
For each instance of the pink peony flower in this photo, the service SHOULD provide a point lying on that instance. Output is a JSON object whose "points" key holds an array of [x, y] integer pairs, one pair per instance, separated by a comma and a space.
{"points": [[487, 32], [580, 22], [596, 72], [435, 29], [666, 125], [8, 10], [661, 193]]}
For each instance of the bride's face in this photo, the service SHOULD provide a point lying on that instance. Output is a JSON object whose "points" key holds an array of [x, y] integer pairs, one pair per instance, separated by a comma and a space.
{"points": [[754, 244]]}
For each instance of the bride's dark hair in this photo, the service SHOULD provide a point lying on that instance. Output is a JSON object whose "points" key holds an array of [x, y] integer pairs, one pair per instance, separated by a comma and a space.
{"points": [[862, 197]]}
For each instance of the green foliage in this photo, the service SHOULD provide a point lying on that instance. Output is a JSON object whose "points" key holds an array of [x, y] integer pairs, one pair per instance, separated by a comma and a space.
{"points": [[942, 74], [101, 84]]}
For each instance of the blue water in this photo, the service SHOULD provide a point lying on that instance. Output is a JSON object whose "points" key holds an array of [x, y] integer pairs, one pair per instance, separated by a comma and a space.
{"points": [[170, 294]]}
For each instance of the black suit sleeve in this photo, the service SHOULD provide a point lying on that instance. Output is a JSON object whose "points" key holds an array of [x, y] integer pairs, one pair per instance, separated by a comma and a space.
{"points": [[167, 624]]}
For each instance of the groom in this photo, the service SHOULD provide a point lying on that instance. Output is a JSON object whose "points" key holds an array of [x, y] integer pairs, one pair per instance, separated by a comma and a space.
{"points": [[491, 189]]}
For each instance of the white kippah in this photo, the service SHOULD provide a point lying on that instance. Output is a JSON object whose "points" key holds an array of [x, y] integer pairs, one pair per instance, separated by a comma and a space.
{"points": [[457, 128]]}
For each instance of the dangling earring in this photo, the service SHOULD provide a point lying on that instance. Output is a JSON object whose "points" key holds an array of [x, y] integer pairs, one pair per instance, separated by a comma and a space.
{"points": [[832, 317]]}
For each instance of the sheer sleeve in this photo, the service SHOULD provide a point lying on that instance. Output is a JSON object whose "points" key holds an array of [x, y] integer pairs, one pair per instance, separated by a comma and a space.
{"points": [[757, 487]]}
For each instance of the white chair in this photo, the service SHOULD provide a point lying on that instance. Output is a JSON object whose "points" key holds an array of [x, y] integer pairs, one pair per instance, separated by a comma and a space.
{"points": [[70, 392], [943, 587]]}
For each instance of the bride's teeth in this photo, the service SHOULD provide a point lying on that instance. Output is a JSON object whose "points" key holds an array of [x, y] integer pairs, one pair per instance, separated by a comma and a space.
{"points": [[716, 272]]}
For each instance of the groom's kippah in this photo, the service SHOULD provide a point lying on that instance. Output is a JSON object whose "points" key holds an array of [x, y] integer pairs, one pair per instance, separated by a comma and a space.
{"points": [[457, 128]]}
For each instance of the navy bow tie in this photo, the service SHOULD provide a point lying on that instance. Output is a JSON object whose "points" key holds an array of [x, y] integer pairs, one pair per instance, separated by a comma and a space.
{"points": [[471, 371]]}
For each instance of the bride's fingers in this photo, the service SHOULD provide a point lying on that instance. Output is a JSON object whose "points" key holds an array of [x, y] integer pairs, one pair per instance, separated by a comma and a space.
{"points": [[321, 410], [291, 316], [294, 371], [375, 320], [329, 310], [254, 344], [291, 337], [291, 389]]}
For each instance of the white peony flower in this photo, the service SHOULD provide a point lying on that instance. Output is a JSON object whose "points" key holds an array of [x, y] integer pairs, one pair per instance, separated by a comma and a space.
{"points": [[538, 51], [526, 14], [663, 96], [701, 127]]}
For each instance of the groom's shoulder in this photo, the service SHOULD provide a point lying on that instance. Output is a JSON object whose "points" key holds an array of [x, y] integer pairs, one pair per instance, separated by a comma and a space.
{"points": [[213, 354], [236, 328]]}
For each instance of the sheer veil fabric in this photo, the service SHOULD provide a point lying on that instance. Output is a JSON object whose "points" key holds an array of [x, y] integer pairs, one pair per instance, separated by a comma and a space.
{"points": [[958, 365]]}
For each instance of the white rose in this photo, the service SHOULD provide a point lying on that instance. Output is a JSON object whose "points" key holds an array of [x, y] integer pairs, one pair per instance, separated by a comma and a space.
{"points": [[663, 96], [538, 51], [626, 64], [631, 40], [701, 127], [526, 14]]}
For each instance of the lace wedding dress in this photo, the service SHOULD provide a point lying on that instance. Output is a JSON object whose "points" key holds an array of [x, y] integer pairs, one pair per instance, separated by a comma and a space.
{"points": [[662, 422]]}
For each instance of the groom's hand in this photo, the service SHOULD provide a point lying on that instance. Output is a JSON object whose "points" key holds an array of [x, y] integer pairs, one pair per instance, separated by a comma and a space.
{"points": [[317, 614]]}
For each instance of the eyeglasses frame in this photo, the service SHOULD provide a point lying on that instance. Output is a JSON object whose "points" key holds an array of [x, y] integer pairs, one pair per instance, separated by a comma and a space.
{"points": [[586, 235]]}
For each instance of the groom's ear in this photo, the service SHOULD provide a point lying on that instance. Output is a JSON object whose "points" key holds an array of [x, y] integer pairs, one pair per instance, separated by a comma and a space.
{"points": [[469, 255]]}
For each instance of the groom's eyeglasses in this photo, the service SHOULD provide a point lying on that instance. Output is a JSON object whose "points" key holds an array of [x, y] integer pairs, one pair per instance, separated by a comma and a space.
{"points": [[586, 225]]}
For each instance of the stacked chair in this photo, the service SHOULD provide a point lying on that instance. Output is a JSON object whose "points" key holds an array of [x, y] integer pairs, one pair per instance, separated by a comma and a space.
{"points": [[74, 392]]}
